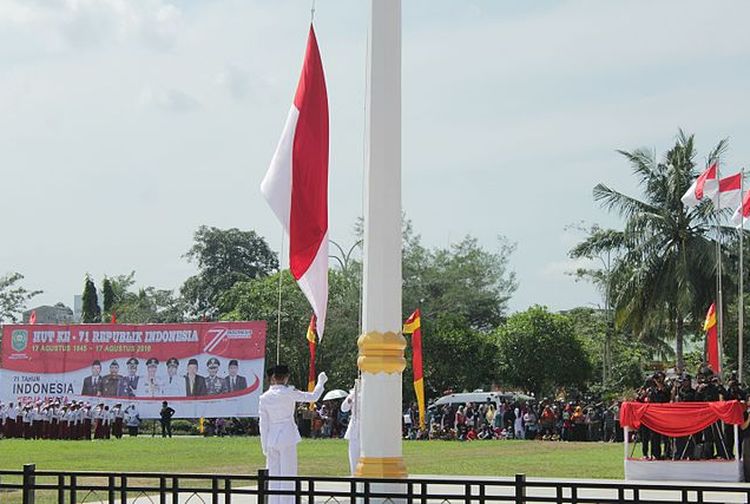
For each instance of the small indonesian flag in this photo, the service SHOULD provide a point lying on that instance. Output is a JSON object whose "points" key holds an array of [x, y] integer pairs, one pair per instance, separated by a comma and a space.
{"points": [[32, 317], [705, 186], [413, 326], [114, 317], [712, 340], [296, 184], [729, 192], [742, 214]]}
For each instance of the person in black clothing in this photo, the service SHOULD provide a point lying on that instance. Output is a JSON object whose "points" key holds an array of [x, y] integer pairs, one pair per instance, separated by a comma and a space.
{"points": [[684, 446], [658, 393], [710, 389], [166, 415], [733, 392]]}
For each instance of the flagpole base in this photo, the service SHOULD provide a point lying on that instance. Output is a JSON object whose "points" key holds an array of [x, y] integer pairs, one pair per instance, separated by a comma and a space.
{"points": [[381, 467]]}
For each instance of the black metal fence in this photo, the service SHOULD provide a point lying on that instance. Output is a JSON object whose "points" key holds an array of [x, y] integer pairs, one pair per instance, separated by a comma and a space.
{"points": [[30, 486]]}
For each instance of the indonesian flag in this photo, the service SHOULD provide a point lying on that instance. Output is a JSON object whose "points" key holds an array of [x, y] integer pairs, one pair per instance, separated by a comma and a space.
{"points": [[706, 185], [413, 326], [296, 184], [113, 319], [32, 317], [712, 339], [729, 192], [742, 214]]}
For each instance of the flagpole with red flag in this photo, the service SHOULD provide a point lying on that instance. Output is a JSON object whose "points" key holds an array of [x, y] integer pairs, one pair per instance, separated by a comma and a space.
{"points": [[413, 326]]}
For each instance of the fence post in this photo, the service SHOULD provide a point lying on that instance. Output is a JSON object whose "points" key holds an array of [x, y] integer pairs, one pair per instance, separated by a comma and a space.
{"points": [[111, 489], [29, 483], [520, 488], [262, 486]]}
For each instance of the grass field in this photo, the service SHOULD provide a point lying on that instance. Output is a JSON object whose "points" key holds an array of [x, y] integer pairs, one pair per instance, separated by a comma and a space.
{"points": [[317, 457]]}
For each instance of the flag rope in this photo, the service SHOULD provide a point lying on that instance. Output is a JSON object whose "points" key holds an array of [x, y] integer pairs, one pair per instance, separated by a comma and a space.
{"points": [[278, 307]]}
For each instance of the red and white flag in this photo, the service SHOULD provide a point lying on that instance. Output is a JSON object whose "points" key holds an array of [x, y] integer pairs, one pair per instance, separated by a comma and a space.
{"points": [[729, 193], [742, 214], [296, 184], [32, 317], [705, 186]]}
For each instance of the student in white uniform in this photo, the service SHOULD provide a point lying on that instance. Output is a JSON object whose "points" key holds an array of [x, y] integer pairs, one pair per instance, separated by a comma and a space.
{"points": [[278, 431], [351, 403]]}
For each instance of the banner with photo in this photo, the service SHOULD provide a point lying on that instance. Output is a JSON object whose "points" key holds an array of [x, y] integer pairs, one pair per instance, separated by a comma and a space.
{"points": [[206, 369]]}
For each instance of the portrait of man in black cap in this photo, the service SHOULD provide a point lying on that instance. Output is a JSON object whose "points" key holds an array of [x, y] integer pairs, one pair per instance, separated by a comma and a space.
{"points": [[233, 380], [214, 384], [151, 385], [91, 383], [112, 384], [130, 382], [195, 384], [173, 384]]}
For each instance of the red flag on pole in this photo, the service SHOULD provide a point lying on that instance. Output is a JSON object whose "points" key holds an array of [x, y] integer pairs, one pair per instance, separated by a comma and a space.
{"points": [[32, 317], [114, 317], [712, 340], [413, 326], [296, 184], [312, 344]]}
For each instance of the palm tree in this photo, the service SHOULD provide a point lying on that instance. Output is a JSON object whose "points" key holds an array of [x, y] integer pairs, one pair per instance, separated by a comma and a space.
{"points": [[663, 274]]}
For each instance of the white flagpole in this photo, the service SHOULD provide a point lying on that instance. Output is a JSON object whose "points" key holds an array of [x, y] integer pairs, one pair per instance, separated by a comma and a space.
{"points": [[741, 314], [719, 301]]}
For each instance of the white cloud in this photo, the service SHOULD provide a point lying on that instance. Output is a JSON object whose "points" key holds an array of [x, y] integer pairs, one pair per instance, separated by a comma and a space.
{"points": [[90, 24], [235, 80], [169, 100]]}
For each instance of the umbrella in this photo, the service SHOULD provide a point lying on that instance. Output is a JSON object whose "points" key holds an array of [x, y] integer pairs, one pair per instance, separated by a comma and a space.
{"points": [[335, 394]]}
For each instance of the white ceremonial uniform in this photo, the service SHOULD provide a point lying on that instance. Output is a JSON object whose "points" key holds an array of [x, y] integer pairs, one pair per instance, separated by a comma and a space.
{"points": [[149, 387], [279, 434], [351, 403], [173, 386]]}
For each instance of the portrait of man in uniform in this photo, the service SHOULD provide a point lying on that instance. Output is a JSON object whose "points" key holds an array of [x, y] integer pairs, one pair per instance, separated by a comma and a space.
{"points": [[195, 384], [173, 384], [233, 380], [130, 382], [91, 383], [150, 385], [112, 383], [214, 384]]}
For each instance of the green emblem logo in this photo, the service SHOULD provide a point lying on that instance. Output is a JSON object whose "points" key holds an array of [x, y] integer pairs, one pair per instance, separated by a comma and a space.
{"points": [[19, 340]]}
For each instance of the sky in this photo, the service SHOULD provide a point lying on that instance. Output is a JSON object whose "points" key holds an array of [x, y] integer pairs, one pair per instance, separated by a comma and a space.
{"points": [[126, 124]]}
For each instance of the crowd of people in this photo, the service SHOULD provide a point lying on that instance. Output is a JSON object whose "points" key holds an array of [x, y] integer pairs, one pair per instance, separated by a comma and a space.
{"points": [[70, 420], [587, 419]]}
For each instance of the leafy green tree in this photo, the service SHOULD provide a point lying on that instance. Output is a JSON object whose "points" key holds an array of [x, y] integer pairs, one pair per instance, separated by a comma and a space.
{"points": [[144, 305], [224, 257], [455, 357], [13, 297], [90, 311], [539, 351], [336, 353], [108, 297], [627, 356], [663, 277]]}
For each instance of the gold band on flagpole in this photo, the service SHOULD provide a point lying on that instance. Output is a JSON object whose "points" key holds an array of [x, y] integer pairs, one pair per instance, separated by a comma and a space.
{"points": [[381, 352]]}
